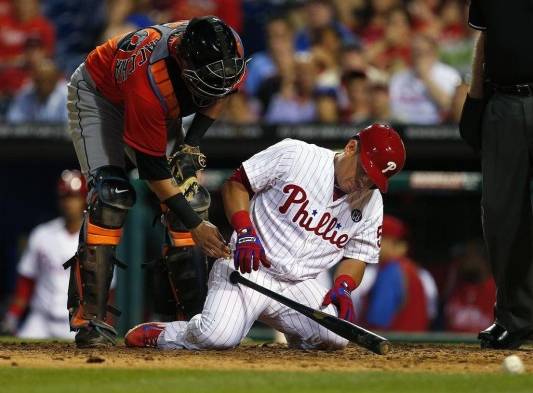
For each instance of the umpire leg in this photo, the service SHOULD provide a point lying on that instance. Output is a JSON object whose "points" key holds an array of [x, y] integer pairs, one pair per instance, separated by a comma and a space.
{"points": [[506, 207]]}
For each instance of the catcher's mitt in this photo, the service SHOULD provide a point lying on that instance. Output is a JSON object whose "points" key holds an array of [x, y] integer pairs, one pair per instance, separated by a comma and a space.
{"points": [[184, 163]]}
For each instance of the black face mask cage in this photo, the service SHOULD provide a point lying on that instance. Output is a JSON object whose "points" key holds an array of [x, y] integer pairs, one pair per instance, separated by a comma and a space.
{"points": [[215, 80]]}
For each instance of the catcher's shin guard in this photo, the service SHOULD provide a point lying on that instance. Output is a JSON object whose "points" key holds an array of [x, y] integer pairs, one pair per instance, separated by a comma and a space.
{"points": [[180, 282], [92, 267], [184, 163], [180, 277]]}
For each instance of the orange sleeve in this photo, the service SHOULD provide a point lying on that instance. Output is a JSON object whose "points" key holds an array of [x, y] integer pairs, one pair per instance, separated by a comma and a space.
{"points": [[145, 122]]}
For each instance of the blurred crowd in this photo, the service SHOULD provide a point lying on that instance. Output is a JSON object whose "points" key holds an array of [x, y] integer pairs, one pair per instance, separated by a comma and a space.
{"points": [[325, 61]]}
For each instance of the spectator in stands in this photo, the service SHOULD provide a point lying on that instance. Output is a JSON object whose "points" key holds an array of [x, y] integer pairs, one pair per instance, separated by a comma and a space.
{"points": [[326, 106], [124, 16], [16, 29], [376, 20], [393, 51], [228, 10], [352, 58], [42, 282], [294, 103], [240, 110], [424, 16], [379, 102], [43, 100], [397, 300], [357, 88], [423, 93], [470, 306], [320, 14], [456, 41], [326, 51], [78, 25], [263, 65]]}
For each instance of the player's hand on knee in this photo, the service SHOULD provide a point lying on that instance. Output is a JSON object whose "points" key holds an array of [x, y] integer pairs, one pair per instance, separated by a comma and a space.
{"points": [[340, 296], [249, 252], [210, 240]]}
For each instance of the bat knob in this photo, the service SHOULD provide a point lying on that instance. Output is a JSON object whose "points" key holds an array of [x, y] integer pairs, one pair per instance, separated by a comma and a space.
{"points": [[384, 347], [234, 277]]}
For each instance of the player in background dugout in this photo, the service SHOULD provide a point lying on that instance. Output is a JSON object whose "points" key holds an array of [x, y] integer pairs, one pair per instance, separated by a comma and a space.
{"points": [[42, 282], [129, 96], [397, 300]]}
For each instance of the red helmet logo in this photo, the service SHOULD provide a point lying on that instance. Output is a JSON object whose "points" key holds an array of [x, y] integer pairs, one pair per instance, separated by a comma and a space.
{"points": [[382, 153]]}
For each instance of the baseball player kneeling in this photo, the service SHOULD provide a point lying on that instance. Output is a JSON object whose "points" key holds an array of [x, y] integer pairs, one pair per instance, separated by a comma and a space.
{"points": [[297, 210]]}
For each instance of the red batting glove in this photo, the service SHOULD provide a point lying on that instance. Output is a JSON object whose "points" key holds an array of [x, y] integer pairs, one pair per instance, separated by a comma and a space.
{"points": [[340, 296], [249, 251]]}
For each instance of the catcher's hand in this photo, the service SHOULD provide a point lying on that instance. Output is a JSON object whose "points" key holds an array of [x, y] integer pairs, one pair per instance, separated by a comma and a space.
{"points": [[340, 296], [208, 238]]}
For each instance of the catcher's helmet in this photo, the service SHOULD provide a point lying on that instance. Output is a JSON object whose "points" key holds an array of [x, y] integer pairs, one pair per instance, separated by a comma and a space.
{"points": [[212, 57], [382, 153], [71, 182]]}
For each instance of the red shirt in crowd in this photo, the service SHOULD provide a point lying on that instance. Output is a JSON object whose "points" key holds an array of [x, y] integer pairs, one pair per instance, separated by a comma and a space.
{"points": [[14, 36]]}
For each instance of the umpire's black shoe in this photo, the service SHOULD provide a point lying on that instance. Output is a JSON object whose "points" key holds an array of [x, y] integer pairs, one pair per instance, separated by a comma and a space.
{"points": [[491, 333], [497, 337], [96, 334]]}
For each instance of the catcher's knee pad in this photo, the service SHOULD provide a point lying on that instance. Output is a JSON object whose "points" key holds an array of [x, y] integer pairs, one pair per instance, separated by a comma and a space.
{"points": [[92, 267], [180, 282]]}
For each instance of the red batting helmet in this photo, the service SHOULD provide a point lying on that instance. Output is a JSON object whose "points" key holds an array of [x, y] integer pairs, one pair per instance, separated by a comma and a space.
{"points": [[71, 182], [394, 228], [382, 153]]}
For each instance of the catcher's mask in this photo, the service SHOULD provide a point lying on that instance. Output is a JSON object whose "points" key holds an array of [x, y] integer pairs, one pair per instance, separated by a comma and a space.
{"points": [[212, 58]]}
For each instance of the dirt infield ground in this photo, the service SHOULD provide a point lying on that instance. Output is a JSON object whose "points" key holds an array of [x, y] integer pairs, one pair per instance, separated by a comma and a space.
{"points": [[444, 358]]}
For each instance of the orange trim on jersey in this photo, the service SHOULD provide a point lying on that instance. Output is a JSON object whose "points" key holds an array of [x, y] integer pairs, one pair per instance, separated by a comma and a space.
{"points": [[181, 239], [159, 72], [99, 235]]}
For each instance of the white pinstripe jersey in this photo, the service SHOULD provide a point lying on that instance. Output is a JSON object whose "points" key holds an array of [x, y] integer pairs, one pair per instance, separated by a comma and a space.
{"points": [[303, 230]]}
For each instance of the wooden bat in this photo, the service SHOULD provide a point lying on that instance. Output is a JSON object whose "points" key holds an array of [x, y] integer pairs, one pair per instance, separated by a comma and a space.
{"points": [[348, 330]]}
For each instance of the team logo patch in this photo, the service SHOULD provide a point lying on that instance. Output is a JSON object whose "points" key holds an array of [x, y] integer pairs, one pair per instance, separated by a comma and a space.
{"points": [[134, 41], [356, 215]]}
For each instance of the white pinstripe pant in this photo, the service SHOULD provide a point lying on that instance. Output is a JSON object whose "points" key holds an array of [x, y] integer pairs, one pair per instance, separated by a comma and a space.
{"points": [[230, 310]]}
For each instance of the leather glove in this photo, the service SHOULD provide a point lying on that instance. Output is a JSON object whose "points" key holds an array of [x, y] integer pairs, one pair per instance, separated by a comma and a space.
{"points": [[340, 296]]}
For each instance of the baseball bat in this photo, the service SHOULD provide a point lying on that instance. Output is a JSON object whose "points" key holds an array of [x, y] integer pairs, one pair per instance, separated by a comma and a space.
{"points": [[348, 330]]}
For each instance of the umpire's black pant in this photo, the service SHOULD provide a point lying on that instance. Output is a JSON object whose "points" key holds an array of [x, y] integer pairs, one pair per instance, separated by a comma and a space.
{"points": [[507, 157]]}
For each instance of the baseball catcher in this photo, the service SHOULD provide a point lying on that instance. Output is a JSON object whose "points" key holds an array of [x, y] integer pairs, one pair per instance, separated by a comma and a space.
{"points": [[129, 96]]}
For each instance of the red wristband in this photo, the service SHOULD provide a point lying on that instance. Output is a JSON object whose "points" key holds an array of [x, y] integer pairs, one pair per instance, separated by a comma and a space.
{"points": [[241, 219], [344, 278]]}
